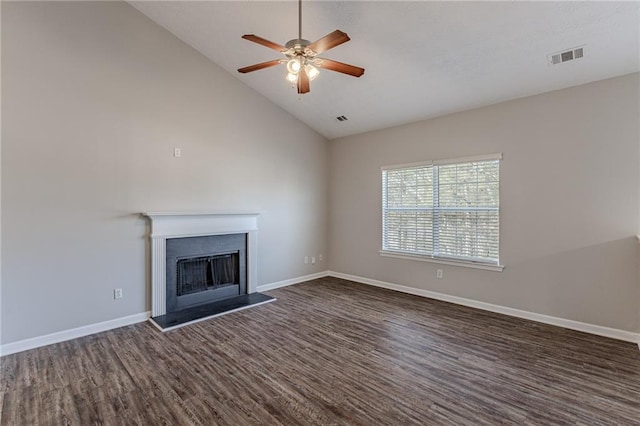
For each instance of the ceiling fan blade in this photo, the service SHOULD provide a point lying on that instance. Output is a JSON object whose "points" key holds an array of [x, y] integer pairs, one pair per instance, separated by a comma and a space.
{"points": [[271, 45], [329, 41], [259, 66], [328, 64], [303, 82]]}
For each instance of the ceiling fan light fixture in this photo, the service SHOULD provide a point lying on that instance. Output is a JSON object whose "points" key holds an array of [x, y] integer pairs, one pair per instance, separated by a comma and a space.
{"points": [[292, 78], [294, 65], [311, 71]]}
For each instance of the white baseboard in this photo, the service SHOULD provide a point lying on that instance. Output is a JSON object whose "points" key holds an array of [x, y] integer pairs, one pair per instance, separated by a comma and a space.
{"points": [[61, 336], [613, 333], [297, 280]]}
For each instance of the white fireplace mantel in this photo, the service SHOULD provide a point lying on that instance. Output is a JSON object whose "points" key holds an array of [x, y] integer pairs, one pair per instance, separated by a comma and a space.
{"points": [[165, 225]]}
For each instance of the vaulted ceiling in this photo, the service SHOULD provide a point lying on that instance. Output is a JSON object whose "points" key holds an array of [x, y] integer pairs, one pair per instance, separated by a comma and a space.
{"points": [[422, 59]]}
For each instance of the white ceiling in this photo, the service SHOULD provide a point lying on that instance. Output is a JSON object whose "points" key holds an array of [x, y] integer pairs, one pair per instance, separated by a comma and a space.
{"points": [[422, 59]]}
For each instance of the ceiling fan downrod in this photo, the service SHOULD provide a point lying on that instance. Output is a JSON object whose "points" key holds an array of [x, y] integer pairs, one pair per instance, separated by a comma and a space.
{"points": [[298, 44], [299, 19]]}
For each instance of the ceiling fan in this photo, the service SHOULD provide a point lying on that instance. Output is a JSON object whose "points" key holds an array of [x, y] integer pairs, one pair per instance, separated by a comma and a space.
{"points": [[302, 56]]}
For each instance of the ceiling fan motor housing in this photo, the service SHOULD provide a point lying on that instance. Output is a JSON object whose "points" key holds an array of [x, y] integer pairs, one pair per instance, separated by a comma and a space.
{"points": [[297, 44]]}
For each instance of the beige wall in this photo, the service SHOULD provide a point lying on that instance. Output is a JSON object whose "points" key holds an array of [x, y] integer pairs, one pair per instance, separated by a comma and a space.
{"points": [[569, 202], [95, 96]]}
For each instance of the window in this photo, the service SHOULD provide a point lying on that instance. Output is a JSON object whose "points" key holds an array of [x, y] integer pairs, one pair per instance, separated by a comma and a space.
{"points": [[443, 210]]}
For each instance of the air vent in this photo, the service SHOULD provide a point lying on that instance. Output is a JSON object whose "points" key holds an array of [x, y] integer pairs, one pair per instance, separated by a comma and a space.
{"points": [[342, 118], [567, 55]]}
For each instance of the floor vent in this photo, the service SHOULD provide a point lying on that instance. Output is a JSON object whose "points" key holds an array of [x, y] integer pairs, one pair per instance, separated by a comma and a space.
{"points": [[568, 55]]}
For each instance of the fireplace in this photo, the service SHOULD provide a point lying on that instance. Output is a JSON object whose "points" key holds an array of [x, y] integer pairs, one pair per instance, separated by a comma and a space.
{"points": [[197, 257], [205, 269], [207, 273]]}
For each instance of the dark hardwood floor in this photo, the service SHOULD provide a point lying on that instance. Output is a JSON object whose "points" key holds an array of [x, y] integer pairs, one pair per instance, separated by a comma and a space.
{"points": [[329, 352]]}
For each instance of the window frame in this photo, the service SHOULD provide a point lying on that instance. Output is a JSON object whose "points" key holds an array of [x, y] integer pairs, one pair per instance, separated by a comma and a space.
{"points": [[401, 254]]}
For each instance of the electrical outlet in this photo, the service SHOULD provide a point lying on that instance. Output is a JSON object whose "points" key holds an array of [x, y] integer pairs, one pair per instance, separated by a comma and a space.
{"points": [[439, 273], [117, 293], [320, 257], [306, 260], [177, 152], [313, 260]]}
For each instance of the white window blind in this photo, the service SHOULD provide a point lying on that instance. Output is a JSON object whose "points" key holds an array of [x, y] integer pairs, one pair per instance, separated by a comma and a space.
{"points": [[445, 209]]}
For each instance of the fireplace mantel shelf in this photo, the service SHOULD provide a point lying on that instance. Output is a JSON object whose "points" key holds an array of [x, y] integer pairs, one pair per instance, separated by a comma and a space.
{"points": [[196, 223], [202, 213]]}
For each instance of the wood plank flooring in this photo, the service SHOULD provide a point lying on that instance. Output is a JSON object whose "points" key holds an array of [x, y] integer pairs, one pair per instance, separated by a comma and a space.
{"points": [[329, 352]]}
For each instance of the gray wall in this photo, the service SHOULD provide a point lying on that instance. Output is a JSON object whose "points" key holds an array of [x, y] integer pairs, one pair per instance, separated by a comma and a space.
{"points": [[95, 96], [569, 202]]}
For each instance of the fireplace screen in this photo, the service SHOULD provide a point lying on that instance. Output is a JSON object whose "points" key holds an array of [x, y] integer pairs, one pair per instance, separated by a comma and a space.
{"points": [[203, 273]]}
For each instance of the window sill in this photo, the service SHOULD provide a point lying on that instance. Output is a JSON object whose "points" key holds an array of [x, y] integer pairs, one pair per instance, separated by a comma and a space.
{"points": [[474, 265]]}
